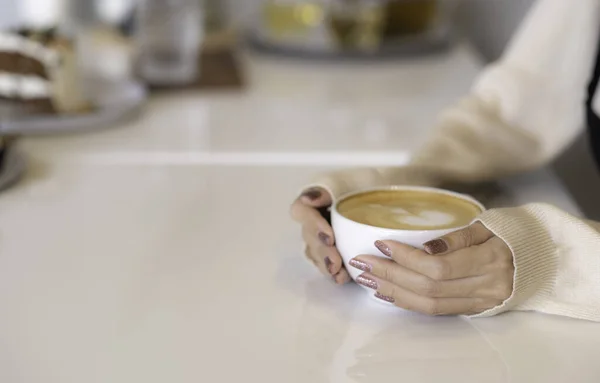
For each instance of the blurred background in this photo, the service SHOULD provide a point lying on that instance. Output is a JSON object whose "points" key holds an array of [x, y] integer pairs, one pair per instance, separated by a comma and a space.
{"points": [[489, 23], [295, 28]]}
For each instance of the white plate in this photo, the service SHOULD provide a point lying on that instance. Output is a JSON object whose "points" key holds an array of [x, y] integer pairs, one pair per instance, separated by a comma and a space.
{"points": [[13, 168], [114, 100]]}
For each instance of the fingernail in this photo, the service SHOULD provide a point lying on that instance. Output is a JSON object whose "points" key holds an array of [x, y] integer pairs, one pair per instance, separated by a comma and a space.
{"points": [[312, 194], [437, 246], [367, 282], [328, 264], [364, 266], [324, 238], [383, 248], [384, 298]]}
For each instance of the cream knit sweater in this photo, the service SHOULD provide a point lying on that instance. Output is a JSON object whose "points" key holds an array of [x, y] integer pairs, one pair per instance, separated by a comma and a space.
{"points": [[522, 112]]}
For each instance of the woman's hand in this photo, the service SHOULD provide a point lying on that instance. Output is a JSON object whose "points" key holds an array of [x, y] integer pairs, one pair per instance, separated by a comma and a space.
{"points": [[464, 273], [318, 234]]}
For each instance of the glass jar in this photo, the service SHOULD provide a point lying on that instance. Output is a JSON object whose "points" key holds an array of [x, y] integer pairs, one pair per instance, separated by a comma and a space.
{"points": [[168, 36]]}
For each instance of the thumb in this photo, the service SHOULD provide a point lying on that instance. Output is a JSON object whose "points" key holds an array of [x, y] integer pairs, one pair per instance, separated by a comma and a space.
{"points": [[316, 197]]}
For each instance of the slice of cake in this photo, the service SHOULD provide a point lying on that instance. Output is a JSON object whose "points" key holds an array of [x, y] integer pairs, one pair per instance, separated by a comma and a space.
{"points": [[24, 77], [39, 74]]}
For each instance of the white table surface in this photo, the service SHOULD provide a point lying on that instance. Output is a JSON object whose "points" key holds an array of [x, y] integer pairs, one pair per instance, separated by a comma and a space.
{"points": [[161, 250]]}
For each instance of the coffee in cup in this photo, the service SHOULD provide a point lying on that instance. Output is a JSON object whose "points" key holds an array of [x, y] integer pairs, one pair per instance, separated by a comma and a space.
{"points": [[409, 209], [408, 214]]}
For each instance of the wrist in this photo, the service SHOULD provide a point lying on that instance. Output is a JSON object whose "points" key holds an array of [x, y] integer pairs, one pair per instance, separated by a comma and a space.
{"points": [[535, 255]]}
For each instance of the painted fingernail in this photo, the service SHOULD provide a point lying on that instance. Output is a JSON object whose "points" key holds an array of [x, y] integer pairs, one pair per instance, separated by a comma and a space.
{"points": [[312, 194], [384, 298], [383, 248], [437, 246], [328, 264], [367, 282], [325, 238], [364, 266]]}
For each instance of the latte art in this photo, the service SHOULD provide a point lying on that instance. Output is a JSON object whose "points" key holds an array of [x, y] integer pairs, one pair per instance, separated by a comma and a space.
{"points": [[409, 210]]}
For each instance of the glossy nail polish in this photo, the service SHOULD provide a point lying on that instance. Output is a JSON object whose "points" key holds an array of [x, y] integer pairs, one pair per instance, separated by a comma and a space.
{"points": [[358, 264], [312, 194], [437, 246], [385, 250], [367, 282], [384, 298], [324, 238]]}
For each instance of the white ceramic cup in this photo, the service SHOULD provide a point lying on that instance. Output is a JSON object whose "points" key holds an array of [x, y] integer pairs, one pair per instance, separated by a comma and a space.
{"points": [[353, 238]]}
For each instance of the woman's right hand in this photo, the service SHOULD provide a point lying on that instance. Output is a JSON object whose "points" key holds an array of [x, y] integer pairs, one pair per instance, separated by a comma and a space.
{"points": [[318, 234]]}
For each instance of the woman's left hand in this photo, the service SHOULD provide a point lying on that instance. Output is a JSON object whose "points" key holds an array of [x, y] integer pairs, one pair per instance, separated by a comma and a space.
{"points": [[463, 273]]}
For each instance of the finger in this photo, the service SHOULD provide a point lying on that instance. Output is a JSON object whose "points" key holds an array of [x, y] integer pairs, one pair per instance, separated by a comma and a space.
{"points": [[408, 300], [342, 277], [475, 234], [486, 286], [469, 262], [491, 257], [311, 217], [309, 256], [408, 257], [327, 258], [339, 276], [317, 261], [316, 197]]}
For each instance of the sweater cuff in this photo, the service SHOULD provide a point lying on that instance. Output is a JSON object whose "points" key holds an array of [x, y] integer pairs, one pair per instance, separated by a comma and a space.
{"points": [[535, 256]]}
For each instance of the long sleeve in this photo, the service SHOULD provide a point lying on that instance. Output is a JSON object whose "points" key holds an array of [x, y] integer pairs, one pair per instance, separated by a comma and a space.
{"points": [[521, 113], [557, 265]]}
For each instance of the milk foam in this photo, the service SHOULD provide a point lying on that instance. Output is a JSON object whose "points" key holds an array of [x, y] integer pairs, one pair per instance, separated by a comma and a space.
{"points": [[425, 218]]}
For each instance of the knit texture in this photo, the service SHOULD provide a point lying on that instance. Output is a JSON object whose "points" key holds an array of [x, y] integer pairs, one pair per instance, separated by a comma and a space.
{"points": [[557, 265]]}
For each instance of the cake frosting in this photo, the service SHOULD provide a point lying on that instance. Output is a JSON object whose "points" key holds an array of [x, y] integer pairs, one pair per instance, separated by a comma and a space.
{"points": [[8, 85], [32, 87], [29, 48], [10, 42], [23, 87], [47, 56]]}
